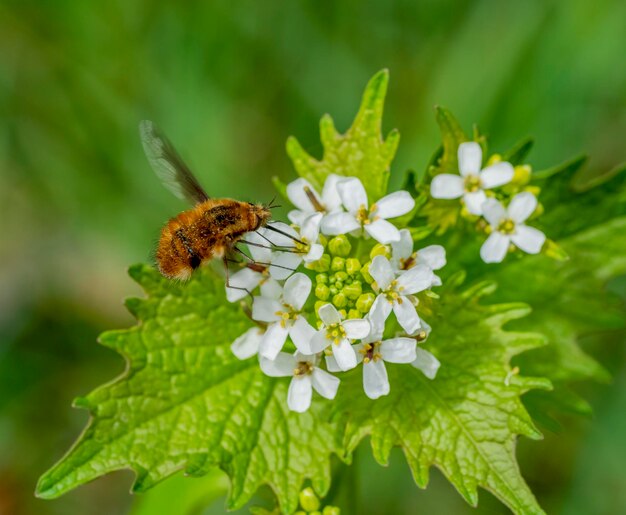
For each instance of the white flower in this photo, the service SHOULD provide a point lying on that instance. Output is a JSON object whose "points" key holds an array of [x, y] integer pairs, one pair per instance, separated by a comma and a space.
{"points": [[374, 352], [508, 227], [339, 333], [309, 250], [247, 345], [473, 181], [394, 293], [306, 377], [372, 220], [306, 199], [266, 265], [424, 360], [280, 307], [403, 257]]}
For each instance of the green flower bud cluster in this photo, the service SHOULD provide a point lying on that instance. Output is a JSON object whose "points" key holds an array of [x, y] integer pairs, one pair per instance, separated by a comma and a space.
{"points": [[341, 280], [310, 504]]}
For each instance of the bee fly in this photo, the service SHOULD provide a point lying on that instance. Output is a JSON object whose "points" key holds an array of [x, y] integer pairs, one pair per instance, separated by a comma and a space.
{"points": [[211, 229]]}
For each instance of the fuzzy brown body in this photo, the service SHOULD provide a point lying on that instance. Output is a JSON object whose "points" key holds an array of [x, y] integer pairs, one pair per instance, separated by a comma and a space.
{"points": [[209, 230]]}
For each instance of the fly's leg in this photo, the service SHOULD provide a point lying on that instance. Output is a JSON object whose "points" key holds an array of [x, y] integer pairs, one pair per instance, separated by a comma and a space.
{"points": [[228, 285]]}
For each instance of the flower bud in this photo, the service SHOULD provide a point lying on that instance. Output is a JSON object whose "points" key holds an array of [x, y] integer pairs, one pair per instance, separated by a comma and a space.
{"points": [[321, 278], [380, 250], [321, 265], [353, 291], [354, 313], [322, 291], [340, 300], [337, 264], [341, 276], [340, 246], [331, 510], [353, 266], [319, 304], [365, 301], [308, 500], [366, 273]]}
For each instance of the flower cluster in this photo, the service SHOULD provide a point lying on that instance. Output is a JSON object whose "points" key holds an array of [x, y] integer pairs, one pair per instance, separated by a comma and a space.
{"points": [[325, 289], [505, 225]]}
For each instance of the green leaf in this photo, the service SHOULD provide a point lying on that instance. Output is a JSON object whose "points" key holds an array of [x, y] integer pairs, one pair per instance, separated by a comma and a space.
{"points": [[516, 154], [452, 135], [187, 403], [360, 152], [467, 419]]}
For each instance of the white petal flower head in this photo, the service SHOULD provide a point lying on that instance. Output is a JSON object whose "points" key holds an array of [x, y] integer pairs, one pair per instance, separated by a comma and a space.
{"points": [[403, 258], [395, 293], [306, 377], [424, 360], [304, 244], [372, 219], [472, 181], [373, 352], [303, 195], [508, 227], [281, 309], [247, 345], [266, 264], [339, 333]]}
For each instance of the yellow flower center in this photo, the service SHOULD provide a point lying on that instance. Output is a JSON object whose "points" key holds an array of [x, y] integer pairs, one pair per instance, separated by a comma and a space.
{"points": [[407, 263], [472, 183], [394, 292], [506, 226], [366, 216], [287, 315], [336, 333], [370, 352], [303, 368]]}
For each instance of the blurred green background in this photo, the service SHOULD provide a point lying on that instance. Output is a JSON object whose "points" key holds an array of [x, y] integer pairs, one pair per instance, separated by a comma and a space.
{"points": [[229, 81]]}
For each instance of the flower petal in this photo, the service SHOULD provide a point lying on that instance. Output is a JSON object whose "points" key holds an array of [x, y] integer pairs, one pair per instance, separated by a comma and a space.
{"points": [[356, 328], [299, 394], [496, 175], [297, 217], [522, 206], [406, 314], [284, 264], [470, 158], [493, 211], [311, 227], [324, 383], [383, 231], [271, 290], [239, 282], [381, 271], [446, 186], [282, 366], [314, 254], [495, 247], [247, 345], [301, 334], [331, 364], [259, 249], [474, 201], [297, 194], [296, 290], [414, 280], [273, 340], [377, 316], [398, 350], [403, 248], [344, 355], [426, 362], [528, 239], [433, 256], [280, 240], [264, 309], [375, 380], [339, 223], [395, 204], [329, 314], [319, 341], [330, 194], [352, 194]]}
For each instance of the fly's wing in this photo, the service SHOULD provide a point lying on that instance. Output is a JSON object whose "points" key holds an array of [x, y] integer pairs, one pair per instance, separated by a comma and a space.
{"points": [[168, 165]]}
